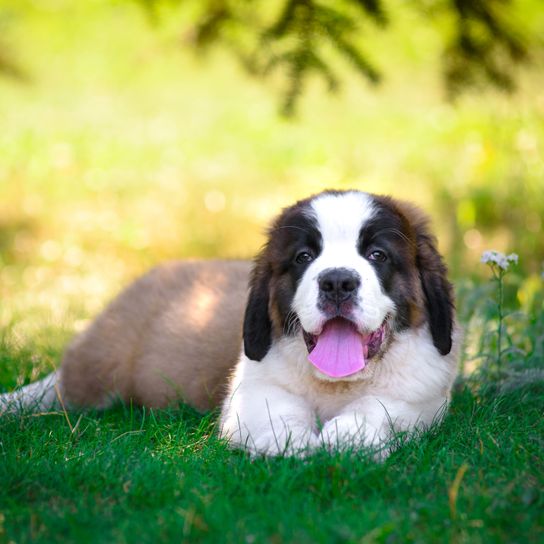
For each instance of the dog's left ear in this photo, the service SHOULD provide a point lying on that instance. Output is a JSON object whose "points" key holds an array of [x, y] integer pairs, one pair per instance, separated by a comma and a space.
{"points": [[437, 289], [433, 275], [257, 324]]}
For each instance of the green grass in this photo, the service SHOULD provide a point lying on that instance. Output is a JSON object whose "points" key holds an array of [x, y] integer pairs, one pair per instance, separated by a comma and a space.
{"points": [[137, 475]]}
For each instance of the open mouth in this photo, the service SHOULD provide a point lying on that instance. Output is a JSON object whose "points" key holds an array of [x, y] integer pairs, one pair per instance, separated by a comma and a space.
{"points": [[340, 350]]}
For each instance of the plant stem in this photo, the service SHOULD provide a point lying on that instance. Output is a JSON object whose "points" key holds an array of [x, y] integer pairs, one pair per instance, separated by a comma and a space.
{"points": [[499, 330]]}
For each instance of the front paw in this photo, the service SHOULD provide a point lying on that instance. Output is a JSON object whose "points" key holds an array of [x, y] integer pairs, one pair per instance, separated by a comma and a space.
{"points": [[349, 431]]}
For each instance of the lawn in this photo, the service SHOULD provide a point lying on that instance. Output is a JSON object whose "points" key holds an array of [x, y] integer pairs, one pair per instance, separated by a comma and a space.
{"points": [[136, 475], [119, 142]]}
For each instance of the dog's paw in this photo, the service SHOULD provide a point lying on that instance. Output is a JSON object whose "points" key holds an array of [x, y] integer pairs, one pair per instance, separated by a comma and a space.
{"points": [[293, 444], [350, 432]]}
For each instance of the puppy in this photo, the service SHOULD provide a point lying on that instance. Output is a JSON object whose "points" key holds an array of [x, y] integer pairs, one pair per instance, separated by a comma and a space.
{"points": [[348, 333]]}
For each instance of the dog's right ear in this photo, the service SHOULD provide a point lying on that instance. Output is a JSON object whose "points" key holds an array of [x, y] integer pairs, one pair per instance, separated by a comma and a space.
{"points": [[257, 323]]}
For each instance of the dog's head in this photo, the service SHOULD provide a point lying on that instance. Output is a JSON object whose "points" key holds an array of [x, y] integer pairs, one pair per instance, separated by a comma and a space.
{"points": [[347, 271]]}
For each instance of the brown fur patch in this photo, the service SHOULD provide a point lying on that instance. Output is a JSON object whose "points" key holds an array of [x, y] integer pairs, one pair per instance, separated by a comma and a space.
{"points": [[172, 335]]}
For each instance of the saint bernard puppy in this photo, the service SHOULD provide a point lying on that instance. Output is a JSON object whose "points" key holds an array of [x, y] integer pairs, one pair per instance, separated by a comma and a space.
{"points": [[348, 334]]}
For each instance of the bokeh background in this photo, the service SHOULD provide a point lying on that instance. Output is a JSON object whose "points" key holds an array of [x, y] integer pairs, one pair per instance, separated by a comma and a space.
{"points": [[120, 147]]}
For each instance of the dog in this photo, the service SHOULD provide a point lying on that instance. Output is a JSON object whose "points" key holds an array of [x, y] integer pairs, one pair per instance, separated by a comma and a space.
{"points": [[341, 333]]}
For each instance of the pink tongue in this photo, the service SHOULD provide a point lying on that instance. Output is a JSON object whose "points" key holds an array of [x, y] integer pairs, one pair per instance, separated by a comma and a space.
{"points": [[339, 350]]}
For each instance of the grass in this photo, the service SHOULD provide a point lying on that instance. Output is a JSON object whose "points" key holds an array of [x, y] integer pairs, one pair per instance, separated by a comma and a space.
{"points": [[133, 474], [119, 143]]}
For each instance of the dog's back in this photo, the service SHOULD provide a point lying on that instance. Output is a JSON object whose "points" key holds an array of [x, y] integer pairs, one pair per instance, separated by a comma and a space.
{"points": [[172, 335]]}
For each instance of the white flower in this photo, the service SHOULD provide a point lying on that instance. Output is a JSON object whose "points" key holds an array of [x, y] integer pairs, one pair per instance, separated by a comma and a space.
{"points": [[500, 259], [512, 258]]}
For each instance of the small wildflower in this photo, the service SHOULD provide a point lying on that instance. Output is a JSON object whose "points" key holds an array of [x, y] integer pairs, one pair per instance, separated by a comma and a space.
{"points": [[500, 259], [498, 263], [512, 258]]}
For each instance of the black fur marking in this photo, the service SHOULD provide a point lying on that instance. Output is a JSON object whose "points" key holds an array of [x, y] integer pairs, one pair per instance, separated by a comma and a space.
{"points": [[294, 231], [402, 231], [438, 293], [276, 276], [390, 233], [257, 329]]}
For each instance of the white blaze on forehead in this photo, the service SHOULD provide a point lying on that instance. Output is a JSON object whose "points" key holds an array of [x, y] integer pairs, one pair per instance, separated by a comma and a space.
{"points": [[341, 216]]}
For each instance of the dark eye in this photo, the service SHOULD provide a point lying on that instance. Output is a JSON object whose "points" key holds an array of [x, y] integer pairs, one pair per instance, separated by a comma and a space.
{"points": [[377, 255], [304, 257]]}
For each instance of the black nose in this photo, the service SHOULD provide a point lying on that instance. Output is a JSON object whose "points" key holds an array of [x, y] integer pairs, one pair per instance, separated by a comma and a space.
{"points": [[338, 284]]}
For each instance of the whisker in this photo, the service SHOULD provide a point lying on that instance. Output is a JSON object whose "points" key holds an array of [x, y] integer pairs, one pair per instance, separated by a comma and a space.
{"points": [[291, 227], [287, 322], [393, 230], [291, 322]]}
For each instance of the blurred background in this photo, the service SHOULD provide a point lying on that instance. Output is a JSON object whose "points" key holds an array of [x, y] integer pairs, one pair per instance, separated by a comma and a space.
{"points": [[122, 144]]}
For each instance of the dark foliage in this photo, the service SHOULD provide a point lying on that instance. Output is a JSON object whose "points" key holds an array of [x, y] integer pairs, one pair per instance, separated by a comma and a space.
{"points": [[298, 38], [9, 67], [301, 37], [487, 45]]}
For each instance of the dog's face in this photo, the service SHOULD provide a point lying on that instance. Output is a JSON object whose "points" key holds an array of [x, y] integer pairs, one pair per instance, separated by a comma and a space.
{"points": [[346, 271]]}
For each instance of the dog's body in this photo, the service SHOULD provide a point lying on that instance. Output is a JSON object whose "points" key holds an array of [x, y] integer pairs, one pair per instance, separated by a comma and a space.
{"points": [[348, 333], [174, 334]]}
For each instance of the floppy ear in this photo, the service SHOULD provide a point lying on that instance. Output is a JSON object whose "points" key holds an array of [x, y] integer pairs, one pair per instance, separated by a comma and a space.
{"points": [[437, 289], [257, 323]]}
